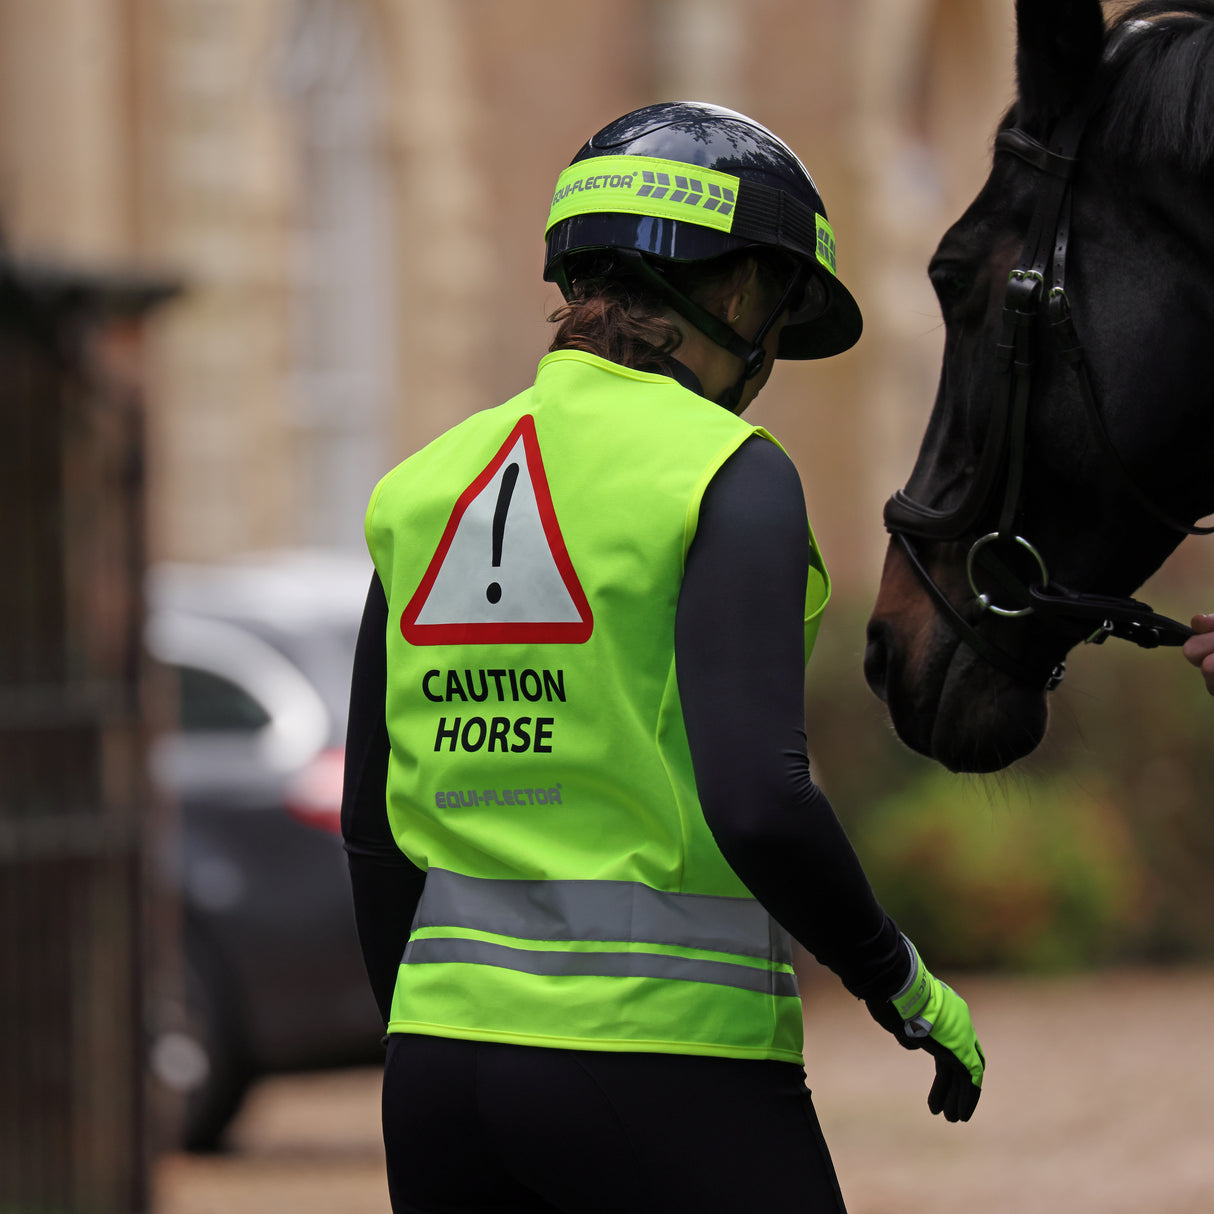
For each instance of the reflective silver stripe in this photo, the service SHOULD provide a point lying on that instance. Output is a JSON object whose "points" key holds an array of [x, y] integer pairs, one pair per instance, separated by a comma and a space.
{"points": [[625, 911], [599, 965], [602, 910]]}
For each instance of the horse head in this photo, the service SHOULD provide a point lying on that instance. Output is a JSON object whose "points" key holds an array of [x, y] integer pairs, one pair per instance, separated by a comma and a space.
{"points": [[1071, 442]]}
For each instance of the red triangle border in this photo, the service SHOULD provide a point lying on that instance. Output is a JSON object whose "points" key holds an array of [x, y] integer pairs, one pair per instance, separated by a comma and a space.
{"points": [[568, 632]]}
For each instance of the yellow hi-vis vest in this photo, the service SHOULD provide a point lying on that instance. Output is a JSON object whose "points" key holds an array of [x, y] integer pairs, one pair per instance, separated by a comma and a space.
{"points": [[539, 772]]}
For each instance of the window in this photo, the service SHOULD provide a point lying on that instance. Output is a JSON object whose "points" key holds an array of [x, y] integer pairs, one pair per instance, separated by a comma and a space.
{"points": [[211, 704]]}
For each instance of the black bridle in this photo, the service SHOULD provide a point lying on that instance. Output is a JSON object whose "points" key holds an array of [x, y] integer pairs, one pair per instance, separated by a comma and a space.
{"points": [[1002, 461]]}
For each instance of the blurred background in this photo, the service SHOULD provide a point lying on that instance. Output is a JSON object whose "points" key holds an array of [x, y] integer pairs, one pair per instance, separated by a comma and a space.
{"points": [[253, 253]]}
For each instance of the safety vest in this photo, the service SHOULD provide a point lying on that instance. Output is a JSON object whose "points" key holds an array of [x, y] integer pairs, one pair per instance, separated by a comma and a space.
{"points": [[539, 771]]}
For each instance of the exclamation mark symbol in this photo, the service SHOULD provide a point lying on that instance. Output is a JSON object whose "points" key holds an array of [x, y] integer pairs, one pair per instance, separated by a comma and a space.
{"points": [[493, 592]]}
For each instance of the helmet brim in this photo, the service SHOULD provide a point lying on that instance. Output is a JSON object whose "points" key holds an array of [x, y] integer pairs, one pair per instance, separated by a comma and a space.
{"points": [[830, 332], [833, 331]]}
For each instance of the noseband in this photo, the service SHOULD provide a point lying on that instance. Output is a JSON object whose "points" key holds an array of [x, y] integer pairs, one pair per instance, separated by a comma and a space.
{"points": [[1002, 461]]}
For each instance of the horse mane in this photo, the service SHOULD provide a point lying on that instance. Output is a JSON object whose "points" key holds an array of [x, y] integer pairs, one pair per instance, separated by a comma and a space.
{"points": [[1160, 110]]}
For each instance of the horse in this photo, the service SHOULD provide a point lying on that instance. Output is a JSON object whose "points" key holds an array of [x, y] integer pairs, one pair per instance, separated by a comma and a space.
{"points": [[1071, 442]]}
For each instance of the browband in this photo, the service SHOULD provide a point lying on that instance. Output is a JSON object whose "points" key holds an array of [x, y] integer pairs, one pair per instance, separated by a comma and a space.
{"points": [[1022, 144]]}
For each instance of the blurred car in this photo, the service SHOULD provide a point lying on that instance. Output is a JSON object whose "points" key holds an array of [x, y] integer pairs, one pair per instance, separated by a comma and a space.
{"points": [[257, 656]]}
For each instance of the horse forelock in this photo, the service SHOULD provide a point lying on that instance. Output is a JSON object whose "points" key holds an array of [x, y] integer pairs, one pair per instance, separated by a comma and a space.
{"points": [[1160, 105]]}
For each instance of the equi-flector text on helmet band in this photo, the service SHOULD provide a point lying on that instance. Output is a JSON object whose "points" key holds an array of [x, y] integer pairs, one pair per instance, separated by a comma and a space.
{"points": [[660, 189]]}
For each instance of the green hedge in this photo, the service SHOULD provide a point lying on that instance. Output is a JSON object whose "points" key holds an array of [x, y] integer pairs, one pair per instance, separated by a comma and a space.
{"points": [[1041, 876]]}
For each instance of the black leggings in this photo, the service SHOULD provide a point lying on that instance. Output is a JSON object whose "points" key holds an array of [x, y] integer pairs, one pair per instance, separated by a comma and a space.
{"points": [[476, 1127]]}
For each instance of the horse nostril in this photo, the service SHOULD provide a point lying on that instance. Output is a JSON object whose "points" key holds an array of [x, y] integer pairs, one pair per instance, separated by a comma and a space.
{"points": [[876, 657]]}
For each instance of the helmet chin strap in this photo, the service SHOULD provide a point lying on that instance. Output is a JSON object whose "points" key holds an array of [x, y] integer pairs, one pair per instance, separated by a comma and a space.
{"points": [[750, 353], [731, 399]]}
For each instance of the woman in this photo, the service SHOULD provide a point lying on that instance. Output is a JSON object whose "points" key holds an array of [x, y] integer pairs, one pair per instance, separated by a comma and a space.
{"points": [[580, 678]]}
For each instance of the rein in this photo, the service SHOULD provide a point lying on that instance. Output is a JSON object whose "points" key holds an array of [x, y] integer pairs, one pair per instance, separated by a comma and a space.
{"points": [[1003, 454]]}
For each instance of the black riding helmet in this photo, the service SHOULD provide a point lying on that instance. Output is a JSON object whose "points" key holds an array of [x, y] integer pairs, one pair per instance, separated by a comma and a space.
{"points": [[687, 181]]}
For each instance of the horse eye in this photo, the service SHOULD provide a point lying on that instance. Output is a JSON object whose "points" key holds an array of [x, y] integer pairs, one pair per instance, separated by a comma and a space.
{"points": [[952, 284]]}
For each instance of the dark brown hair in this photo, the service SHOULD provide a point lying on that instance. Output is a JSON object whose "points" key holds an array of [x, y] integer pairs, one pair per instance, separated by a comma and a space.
{"points": [[620, 320]]}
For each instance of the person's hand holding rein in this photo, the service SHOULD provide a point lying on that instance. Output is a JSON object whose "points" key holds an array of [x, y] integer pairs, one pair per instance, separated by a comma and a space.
{"points": [[1199, 649]]}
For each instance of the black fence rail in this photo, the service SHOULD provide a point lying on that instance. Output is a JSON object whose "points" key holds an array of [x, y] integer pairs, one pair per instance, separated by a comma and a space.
{"points": [[74, 808]]}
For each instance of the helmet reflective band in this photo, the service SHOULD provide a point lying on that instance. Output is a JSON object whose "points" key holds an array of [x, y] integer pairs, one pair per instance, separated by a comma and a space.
{"points": [[825, 248], [645, 185], [661, 189]]}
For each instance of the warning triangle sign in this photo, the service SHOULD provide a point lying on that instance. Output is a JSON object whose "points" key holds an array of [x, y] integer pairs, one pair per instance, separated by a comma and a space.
{"points": [[501, 572]]}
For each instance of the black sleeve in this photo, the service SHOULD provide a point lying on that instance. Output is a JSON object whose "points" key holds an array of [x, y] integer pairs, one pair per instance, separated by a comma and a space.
{"points": [[386, 885], [739, 648]]}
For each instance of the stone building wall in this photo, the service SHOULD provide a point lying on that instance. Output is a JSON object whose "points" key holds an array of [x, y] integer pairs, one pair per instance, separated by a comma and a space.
{"points": [[353, 193]]}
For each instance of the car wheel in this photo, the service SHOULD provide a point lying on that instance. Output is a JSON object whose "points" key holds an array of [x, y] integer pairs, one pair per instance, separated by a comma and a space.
{"points": [[199, 1056]]}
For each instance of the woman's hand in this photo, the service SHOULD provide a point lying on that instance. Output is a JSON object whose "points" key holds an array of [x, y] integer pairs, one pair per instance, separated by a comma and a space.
{"points": [[927, 1014]]}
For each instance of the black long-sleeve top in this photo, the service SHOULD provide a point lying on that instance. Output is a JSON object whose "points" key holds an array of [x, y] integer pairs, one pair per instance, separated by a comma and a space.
{"points": [[739, 654]]}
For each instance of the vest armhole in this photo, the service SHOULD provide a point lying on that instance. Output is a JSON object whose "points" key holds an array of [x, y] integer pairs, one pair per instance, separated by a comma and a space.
{"points": [[732, 447], [369, 517]]}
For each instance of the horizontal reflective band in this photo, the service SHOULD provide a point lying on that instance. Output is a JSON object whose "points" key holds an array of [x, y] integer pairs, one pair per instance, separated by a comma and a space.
{"points": [[669, 189], [645, 185], [599, 965], [620, 911]]}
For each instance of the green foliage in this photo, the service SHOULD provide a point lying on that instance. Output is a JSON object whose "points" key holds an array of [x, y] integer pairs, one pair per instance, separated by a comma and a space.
{"points": [[1041, 876]]}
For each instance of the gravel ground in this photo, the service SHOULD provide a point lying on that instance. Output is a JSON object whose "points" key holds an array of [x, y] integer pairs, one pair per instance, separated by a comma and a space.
{"points": [[1098, 1099]]}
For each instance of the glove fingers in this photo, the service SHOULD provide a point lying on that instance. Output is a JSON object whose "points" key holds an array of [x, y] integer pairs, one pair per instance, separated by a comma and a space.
{"points": [[953, 1093], [941, 1099]]}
